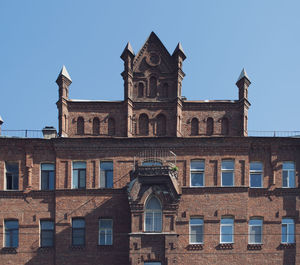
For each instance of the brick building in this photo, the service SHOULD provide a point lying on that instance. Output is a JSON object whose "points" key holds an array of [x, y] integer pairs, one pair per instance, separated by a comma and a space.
{"points": [[151, 179]]}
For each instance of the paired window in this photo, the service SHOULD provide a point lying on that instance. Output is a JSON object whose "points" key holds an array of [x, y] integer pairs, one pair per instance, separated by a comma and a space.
{"points": [[78, 232], [79, 174], [153, 215], [11, 233], [196, 231], [12, 176], [47, 176], [197, 173], [105, 232], [106, 174], [227, 173], [47, 234], [256, 175], [255, 231], [288, 175], [226, 231], [288, 231]]}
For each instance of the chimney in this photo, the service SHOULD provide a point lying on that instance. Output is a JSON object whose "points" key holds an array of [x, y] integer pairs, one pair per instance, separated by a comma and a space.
{"points": [[49, 132]]}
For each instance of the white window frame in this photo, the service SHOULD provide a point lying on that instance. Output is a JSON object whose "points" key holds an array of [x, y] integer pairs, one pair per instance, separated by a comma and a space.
{"points": [[256, 225], [288, 172], [153, 211], [106, 231], [197, 225], [232, 225], [197, 171], [289, 226], [78, 176], [256, 172], [226, 171], [48, 170]]}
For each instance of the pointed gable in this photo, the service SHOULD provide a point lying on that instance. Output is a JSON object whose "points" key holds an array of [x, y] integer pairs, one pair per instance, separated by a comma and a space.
{"points": [[153, 55]]}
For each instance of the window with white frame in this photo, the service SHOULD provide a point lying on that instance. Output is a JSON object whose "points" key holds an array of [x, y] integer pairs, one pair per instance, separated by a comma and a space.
{"points": [[256, 174], [79, 175], [47, 233], [196, 230], [106, 174], [288, 231], [227, 173], [11, 238], [255, 231], [153, 215], [12, 175], [47, 176], [78, 232], [226, 230], [105, 232], [197, 173], [288, 175]]}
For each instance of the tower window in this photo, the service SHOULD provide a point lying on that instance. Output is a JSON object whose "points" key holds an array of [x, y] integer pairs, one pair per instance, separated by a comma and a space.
{"points": [[141, 90], [96, 126], [209, 126], [80, 126], [194, 126]]}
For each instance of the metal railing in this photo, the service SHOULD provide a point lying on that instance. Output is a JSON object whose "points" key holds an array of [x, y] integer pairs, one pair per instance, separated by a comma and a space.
{"points": [[155, 157], [22, 133], [274, 133]]}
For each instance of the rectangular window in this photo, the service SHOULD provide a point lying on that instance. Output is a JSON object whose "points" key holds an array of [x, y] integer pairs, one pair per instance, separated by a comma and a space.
{"points": [[79, 173], [288, 175], [12, 176], [255, 231], [256, 175], [47, 176], [227, 229], [105, 232], [227, 173], [47, 234], [288, 231], [197, 173], [11, 233], [196, 231], [78, 232], [106, 174]]}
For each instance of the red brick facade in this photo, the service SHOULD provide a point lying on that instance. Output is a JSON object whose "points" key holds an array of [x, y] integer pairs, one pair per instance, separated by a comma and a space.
{"points": [[153, 124]]}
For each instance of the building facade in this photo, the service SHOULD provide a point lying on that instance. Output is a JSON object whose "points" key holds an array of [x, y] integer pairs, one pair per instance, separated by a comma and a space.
{"points": [[153, 179]]}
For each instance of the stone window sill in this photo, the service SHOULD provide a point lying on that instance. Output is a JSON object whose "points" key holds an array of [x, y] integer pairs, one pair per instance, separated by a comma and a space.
{"points": [[195, 247], [225, 246]]}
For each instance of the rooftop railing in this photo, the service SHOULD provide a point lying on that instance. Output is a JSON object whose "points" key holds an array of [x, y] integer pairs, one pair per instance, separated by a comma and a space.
{"points": [[22, 133], [274, 133]]}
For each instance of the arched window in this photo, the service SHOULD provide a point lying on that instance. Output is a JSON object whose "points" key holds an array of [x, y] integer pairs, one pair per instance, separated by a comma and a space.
{"points": [[165, 88], [111, 126], [143, 124], [194, 126], [161, 125], [80, 126], [96, 126], [141, 90], [153, 215], [209, 126], [153, 87], [224, 126]]}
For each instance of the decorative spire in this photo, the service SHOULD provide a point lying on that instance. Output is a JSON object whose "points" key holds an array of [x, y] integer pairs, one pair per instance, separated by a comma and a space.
{"points": [[179, 49], [1, 120], [243, 75], [128, 49], [64, 73]]}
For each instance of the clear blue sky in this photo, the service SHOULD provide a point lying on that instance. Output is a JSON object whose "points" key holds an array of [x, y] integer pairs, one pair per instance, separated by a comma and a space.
{"points": [[219, 39]]}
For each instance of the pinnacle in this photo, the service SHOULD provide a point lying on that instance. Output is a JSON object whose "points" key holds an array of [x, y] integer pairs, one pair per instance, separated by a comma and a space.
{"points": [[1, 120], [179, 49], [127, 48], [64, 73], [243, 75]]}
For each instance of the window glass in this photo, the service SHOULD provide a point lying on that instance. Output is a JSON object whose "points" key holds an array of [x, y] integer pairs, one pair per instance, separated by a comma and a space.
{"points": [[47, 176], [79, 175], [47, 233], [255, 231], [228, 173], [288, 231], [105, 231], [11, 233], [153, 215], [256, 175], [196, 230], [197, 173], [288, 175], [78, 232], [12, 176], [226, 230], [106, 174]]}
